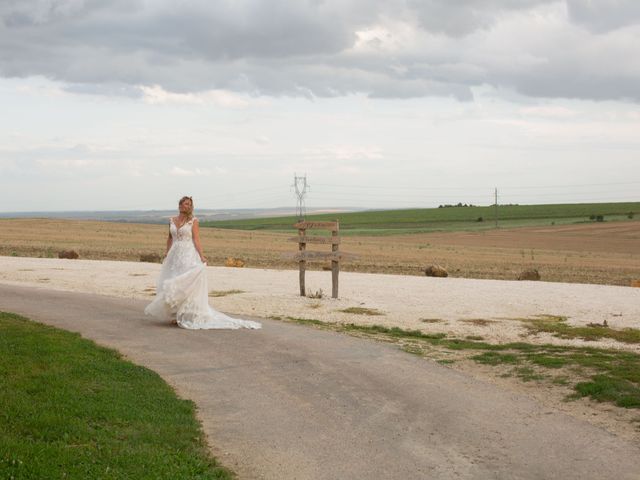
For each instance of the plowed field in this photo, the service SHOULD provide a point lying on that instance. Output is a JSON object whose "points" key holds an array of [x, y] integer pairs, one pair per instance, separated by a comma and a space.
{"points": [[605, 253]]}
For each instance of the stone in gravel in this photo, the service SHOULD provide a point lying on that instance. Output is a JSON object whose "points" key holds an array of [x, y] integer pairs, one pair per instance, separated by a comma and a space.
{"points": [[234, 262], [436, 271], [531, 274], [151, 258]]}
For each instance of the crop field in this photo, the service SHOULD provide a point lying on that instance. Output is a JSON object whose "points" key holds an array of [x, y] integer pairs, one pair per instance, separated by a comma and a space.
{"points": [[451, 218], [605, 252]]}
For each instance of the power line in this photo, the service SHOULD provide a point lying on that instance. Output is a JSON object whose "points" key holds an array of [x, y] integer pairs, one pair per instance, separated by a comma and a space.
{"points": [[580, 185], [412, 187]]}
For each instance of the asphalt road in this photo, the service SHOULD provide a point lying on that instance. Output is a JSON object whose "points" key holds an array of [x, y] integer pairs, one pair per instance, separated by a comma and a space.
{"points": [[292, 402]]}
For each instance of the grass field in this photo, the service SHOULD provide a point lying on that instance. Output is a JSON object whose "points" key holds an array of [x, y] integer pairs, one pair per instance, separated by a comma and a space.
{"points": [[391, 222], [72, 409]]}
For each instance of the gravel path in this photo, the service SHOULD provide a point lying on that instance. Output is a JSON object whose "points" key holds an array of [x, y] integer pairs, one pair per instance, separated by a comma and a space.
{"points": [[404, 301]]}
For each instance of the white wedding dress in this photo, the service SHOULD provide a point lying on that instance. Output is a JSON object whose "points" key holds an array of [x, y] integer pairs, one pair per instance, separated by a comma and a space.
{"points": [[182, 293]]}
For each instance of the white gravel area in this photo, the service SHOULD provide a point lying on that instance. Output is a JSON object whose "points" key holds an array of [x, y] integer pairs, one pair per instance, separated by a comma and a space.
{"points": [[404, 301]]}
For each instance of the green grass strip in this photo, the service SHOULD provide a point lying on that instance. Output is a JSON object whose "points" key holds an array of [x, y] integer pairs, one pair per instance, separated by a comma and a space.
{"points": [[75, 410], [607, 389], [495, 358], [557, 326], [612, 375], [404, 221], [361, 311]]}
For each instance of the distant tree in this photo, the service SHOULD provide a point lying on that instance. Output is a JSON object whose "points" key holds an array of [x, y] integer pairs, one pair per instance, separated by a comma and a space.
{"points": [[459, 204]]}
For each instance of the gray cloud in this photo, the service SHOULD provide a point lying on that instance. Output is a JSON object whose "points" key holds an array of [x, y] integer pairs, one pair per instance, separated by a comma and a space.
{"points": [[604, 15], [462, 17], [324, 48]]}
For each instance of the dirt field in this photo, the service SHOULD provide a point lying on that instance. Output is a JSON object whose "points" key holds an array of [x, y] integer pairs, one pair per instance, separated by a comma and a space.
{"points": [[604, 253]]}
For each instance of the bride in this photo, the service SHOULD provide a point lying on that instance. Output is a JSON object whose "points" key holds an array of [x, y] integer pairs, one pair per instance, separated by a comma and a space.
{"points": [[182, 294]]}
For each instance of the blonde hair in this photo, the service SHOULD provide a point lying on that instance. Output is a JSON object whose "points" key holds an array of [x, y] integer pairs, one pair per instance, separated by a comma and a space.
{"points": [[190, 212]]}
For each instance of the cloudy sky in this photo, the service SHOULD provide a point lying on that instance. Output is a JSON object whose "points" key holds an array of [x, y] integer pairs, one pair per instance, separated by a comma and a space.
{"points": [[130, 104]]}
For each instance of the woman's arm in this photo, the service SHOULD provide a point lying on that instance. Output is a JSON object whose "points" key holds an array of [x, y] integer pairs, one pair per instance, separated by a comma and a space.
{"points": [[196, 239], [169, 243]]}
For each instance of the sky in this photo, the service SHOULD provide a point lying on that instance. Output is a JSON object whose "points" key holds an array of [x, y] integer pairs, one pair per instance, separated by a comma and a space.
{"points": [[131, 104]]}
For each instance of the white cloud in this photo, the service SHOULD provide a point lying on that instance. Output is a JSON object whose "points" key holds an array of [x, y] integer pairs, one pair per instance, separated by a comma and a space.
{"points": [[551, 111], [184, 172], [157, 95], [67, 163], [343, 152], [348, 170]]}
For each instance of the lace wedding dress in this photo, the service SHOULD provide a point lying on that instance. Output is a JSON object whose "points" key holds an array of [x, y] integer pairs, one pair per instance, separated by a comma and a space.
{"points": [[182, 293]]}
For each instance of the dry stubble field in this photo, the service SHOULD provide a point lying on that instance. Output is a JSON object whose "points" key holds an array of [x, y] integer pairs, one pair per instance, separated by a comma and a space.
{"points": [[604, 253]]}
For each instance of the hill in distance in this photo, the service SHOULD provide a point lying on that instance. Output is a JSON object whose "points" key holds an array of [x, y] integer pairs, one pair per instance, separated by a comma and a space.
{"points": [[162, 216], [354, 221], [449, 218]]}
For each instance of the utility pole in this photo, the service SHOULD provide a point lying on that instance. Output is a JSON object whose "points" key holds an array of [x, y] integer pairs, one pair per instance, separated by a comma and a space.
{"points": [[301, 186], [496, 205]]}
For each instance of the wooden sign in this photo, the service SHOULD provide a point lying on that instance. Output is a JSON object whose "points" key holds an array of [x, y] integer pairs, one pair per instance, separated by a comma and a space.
{"points": [[306, 255], [305, 239], [303, 255]]}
